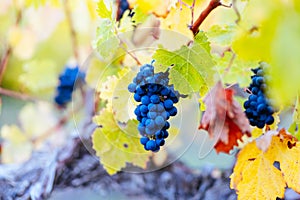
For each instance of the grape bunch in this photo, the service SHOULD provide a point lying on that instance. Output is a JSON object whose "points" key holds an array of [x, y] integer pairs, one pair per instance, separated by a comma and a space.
{"points": [[66, 84], [157, 99], [258, 108], [122, 7]]}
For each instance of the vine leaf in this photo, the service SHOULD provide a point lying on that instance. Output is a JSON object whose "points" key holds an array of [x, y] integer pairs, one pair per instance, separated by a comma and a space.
{"points": [[103, 11], [224, 118], [256, 177], [32, 79], [191, 67], [116, 146], [106, 42], [221, 34], [157, 7], [234, 69], [178, 20]]}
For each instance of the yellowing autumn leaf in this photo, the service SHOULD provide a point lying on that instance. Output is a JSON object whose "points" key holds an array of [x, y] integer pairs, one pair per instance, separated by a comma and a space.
{"points": [[157, 7], [256, 177], [117, 146]]}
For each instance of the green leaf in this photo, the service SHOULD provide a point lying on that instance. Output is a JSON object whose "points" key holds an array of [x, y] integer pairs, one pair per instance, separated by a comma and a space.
{"points": [[192, 67], [235, 70], [221, 35], [139, 16], [103, 11], [40, 76], [117, 146], [107, 42]]}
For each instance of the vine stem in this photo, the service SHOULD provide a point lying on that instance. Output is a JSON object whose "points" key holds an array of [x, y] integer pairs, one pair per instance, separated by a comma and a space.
{"points": [[236, 10], [72, 30], [211, 6], [17, 95], [123, 43], [4, 62], [8, 51]]}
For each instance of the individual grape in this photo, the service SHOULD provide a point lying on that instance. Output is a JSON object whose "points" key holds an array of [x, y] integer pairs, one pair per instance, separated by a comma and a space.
{"points": [[155, 99], [167, 125], [168, 104], [143, 108], [270, 120], [160, 121], [151, 145], [137, 97], [151, 115], [132, 87], [145, 100], [160, 142], [173, 111], [165, 91], [144, 140]]}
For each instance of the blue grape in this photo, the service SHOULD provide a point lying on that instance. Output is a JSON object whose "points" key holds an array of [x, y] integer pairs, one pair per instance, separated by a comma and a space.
{"points": [[151, 145], [144, 140], [143, 108], [145, 100], [137, 97], [132, 87], [160, 121], [160, 142], [168, 104], [155, 99]]}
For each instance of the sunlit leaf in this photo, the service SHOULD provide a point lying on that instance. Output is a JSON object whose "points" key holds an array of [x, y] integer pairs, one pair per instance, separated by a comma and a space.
{"points": [[191, 67], [256, 177], [103, 11], [117, 146], [39, 76]]}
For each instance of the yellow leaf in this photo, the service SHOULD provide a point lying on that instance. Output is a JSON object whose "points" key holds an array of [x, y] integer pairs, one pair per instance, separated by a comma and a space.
{"points": [[117, 144], [158, 7], [255, 177], [178, 20]]}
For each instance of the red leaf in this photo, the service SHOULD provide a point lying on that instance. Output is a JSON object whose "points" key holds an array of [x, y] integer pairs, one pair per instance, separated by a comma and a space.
{"points": [[224, 118]]}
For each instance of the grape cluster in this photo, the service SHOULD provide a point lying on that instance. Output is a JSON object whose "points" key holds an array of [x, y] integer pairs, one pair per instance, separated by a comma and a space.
{"points": [[157, 99], [66, 84], [122, 7], [258, 108]]}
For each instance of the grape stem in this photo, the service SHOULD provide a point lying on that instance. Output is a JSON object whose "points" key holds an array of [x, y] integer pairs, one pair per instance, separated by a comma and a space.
{"points": [[236, 11], [211, 6], [8, 52], [17, 95], [4, 62], [123, 46]]}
